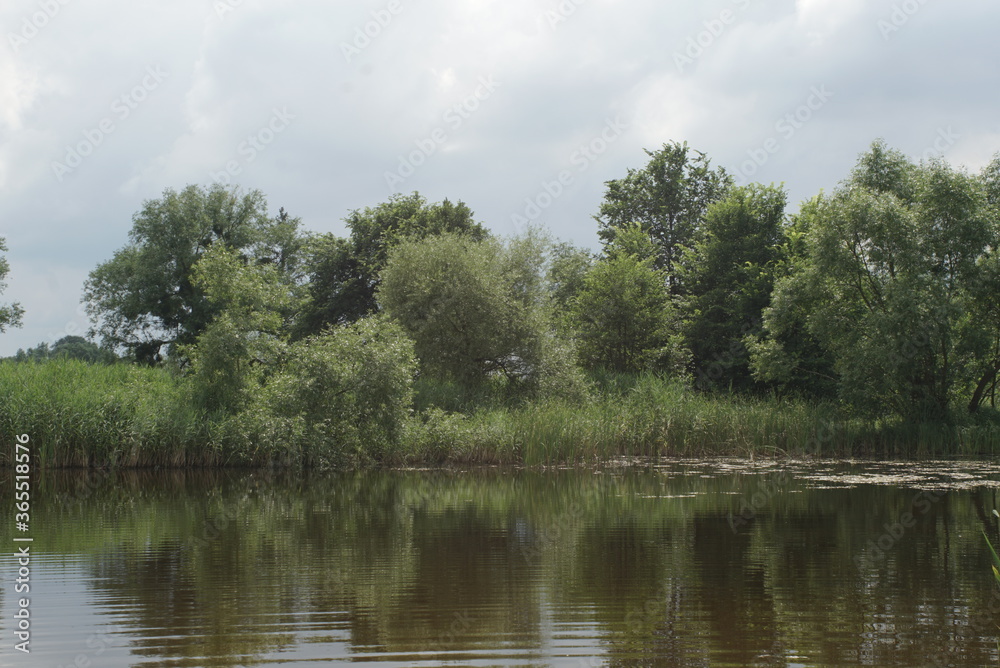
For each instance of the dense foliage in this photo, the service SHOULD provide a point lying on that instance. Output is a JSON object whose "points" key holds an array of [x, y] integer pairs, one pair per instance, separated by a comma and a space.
{"points": [[898, 282], [344, 273], [69, 347], [145, 301], [874, 306], [478, 310]]}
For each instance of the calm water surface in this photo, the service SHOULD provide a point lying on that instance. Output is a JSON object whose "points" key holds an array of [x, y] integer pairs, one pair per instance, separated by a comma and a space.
{"points": [[680, 564]]}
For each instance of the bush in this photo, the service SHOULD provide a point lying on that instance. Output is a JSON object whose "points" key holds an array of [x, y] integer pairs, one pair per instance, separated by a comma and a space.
{"points": [[342, 397]]}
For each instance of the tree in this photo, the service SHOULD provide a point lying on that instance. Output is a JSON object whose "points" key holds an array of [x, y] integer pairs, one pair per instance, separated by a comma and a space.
{"points": [[478, 309], [341, 396], [568, 267], [248, 333], [728, 275], [144, 299], [782, 352], [344, 273], [567, 272], [668, 199], [623, 314], [897, 283], [10, 314], [70, 347]]}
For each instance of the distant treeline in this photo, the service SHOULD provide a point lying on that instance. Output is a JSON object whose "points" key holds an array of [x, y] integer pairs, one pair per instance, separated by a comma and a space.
{"points": [[877, 301]]}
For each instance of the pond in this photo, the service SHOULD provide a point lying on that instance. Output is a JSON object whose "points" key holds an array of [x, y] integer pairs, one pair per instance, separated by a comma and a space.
{"points": [[683, 563]]}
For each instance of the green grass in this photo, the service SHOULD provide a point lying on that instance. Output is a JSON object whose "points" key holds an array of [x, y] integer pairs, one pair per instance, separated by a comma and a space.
{"points": [[89, 415], [78, 414]]}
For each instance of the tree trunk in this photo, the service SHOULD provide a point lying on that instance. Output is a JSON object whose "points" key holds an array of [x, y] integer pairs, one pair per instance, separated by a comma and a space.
{"points": [[986, 384]]}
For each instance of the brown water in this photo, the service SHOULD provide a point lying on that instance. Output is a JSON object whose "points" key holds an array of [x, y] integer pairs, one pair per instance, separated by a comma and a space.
{"points": [[682, 564]]}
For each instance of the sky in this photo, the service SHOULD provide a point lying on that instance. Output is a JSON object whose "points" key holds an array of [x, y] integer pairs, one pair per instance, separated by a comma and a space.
{"points": [[522, 109]]}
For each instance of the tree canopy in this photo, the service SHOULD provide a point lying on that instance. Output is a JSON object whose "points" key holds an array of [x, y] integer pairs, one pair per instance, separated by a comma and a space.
{"points": [[71, 347], [899, 283], [477, 309], [667, 198], [144, 299], [623, 314], [344, 273], [728, 275]]}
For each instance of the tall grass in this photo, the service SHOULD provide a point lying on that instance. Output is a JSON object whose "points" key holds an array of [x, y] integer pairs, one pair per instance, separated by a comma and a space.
{"points": [[631, 416], [79, 414], [87, 415]]}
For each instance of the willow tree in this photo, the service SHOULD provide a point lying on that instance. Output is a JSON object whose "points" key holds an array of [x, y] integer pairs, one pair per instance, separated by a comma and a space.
{"points": [[479, 309], [899, 281], [144, 299]]}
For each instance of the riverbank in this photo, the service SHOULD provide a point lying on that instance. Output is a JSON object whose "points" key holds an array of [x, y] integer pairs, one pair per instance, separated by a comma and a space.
{"points": [[82, 415]]}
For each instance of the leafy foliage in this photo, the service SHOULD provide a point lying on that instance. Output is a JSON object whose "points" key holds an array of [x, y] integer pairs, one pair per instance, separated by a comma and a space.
{"points": [[729, 274], [668, 199], [10, 314], [479, 309], [343, 396], [145, 299], [253, 305], [69, 347], [344, 273], [893, 285], [623, 314]]}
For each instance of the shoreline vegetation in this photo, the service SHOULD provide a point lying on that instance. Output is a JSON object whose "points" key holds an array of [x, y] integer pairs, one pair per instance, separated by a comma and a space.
{"points": [[87, 415], [711, 322]]}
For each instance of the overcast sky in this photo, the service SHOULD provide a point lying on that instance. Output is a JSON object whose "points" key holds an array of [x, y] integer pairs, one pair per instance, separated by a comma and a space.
{"points": [[328, 106]]}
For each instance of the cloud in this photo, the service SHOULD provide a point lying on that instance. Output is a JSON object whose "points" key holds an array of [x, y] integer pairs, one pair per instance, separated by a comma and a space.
{"points": [[565, 67]]}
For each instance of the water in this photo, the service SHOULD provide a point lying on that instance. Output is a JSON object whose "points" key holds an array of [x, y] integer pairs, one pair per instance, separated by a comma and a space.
{"points": [[682, 564]]}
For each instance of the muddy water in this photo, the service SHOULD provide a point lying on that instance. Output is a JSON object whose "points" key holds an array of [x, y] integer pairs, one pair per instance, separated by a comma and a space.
{"points": [[680, 564]]}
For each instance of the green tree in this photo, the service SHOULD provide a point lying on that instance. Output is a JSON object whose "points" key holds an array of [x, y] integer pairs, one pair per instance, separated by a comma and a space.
{"points": [[896, 283], [144, 299], [71, 347], [10, 314], [247, 336], [728, 275], [477, 309], [344, 273], [668, 199], [568, 267], [783, 353], [623, 315], [341, 397]]}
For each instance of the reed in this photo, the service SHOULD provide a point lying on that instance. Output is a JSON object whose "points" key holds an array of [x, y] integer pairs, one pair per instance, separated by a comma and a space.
{"points": [[126, 416], [79, 414]]}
